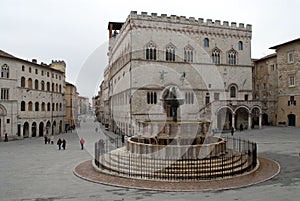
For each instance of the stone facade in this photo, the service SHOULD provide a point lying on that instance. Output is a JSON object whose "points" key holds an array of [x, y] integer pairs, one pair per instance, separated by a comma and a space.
{"points": [[71, 119], [210, 62], [32, 97]]}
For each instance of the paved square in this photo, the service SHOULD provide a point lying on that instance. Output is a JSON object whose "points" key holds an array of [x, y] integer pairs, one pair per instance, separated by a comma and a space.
{"points": [[33, 171]]}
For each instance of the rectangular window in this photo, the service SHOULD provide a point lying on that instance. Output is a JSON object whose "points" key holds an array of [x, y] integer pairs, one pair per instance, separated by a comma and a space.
{"points": [[292, 101], [4, 94], [290, 57], [246, 97], [291, 81], [36, 71]]}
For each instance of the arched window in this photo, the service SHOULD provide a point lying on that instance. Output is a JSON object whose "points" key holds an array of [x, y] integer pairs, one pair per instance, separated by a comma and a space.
{"points": [[48, 106], [170, 53], [42, 85], [56, 88], [60, 107], [53, 87], [60, 88], [56, 106], [36, 84], [53, 106], [30, 106], [240, 45], [232, 92], [29, 83], [5, 71], [151, 51], [23, 82], [216, 58], [232, 57], [29, 69], [48, 86], [206, 42], [43, 106], [188, 54], [23, 106], [36, 108]]}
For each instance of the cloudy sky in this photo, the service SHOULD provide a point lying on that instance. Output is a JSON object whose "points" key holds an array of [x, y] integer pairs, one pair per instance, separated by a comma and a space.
{"points": [[76, 30]]}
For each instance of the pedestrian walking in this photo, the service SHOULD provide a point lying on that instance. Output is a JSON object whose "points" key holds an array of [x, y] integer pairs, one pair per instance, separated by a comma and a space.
{"points": [[45, 139], [59, 142], [82, 143], [232, 131], [64, 144]]}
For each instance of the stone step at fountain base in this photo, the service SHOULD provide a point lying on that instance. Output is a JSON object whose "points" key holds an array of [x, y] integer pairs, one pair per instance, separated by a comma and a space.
{"points": [[119, 162]]}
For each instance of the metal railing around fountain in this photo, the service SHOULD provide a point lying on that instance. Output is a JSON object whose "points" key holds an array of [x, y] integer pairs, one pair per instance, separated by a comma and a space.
{"points": [[112, 157]]}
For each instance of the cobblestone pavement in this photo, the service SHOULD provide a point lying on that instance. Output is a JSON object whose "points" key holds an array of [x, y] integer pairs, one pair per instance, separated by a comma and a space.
{"points": [[33, 171]]}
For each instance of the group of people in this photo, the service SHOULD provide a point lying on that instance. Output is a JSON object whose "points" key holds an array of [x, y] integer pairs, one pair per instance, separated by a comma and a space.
{"points": [[61, 143], [49, 140]]}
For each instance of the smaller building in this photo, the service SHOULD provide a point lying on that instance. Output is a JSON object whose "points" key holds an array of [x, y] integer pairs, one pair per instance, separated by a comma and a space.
{"points": [[71, 107]]}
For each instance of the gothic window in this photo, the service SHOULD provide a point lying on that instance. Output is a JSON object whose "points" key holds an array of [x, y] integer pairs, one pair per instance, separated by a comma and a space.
{"points": [[23, 106], [23, 68], [36, 84], [56, 88], [170, 53], [42, 85], [48, 106], [188, 54], [151, 98], [48, 86], [232, 57], [43, 106], [151, 51], [29, 69], [30, 106], [207, 99], [232, 92], [53, 87], [29, 83], [216, 58], [206, 42], [5, 71], [53, 106], [60, 88], [36, 106], [60, 107], [23, 82], [240, 45]]}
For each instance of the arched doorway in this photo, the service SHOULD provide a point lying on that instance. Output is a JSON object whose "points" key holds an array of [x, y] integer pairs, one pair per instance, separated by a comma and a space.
{"points": [[224, 118], [48, 126], [41, 129], [242, 114], [255, 117], [292, 120], [26, 129], [33, 129]]}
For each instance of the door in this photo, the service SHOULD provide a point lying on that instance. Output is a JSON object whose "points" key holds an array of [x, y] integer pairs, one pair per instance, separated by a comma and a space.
{"points": [[292, 120]]}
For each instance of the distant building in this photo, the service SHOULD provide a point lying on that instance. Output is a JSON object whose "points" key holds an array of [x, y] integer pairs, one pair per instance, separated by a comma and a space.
{"points": [[32, 97], [83, 105], [71, 106], [277, 86], [210, 62]]}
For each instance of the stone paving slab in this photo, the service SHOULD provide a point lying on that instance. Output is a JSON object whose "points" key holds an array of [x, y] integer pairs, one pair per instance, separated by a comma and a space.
{"points": [[266, 170]]}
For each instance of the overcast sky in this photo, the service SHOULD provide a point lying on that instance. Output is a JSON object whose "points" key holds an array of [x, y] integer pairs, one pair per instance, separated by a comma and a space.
{"points": [[76, 30]]}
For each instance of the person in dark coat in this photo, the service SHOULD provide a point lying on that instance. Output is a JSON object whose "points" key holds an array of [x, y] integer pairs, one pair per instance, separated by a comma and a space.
{"points": [[5, 138], [46, 139], [64, 143], [59, 142]]}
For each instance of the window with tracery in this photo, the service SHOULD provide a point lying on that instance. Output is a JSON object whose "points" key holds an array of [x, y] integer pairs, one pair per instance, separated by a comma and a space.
{"points": [[188, 54], [151, 51], [232, 92], [5, 71], [232, 57], [215, 56], [170, 53]]}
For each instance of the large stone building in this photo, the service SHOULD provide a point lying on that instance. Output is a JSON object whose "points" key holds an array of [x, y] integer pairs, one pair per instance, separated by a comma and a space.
{"points": [[71, 119], [276, 84], [32, 97], [209, 61]]}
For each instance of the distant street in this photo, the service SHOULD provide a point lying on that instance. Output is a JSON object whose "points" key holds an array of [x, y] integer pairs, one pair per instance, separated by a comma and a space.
{"points": [[33, 171]]}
